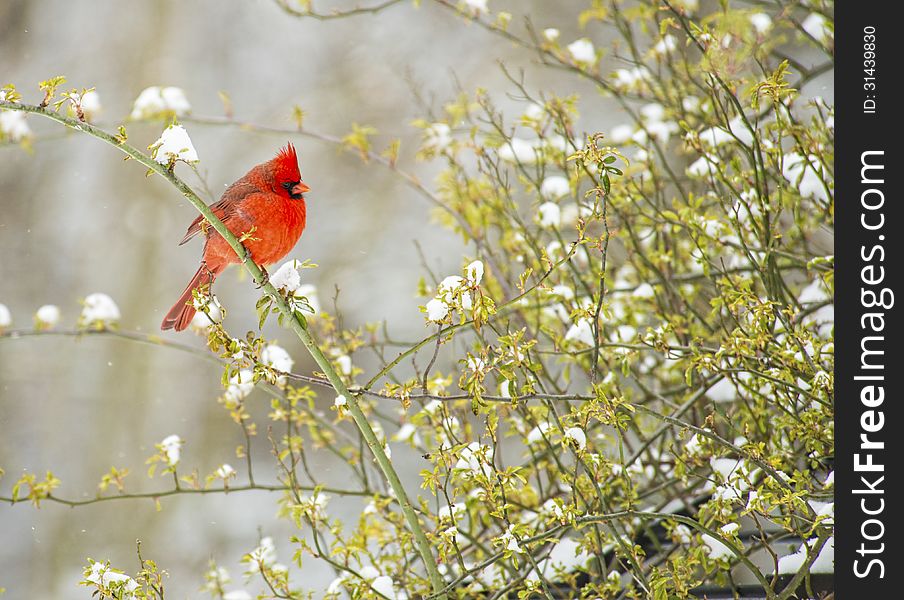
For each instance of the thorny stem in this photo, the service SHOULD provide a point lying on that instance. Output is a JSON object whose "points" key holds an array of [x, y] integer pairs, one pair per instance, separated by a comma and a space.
{"points": [[295, 321]]}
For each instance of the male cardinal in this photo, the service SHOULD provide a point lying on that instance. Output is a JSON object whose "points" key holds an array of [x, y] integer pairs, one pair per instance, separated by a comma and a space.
{"points": [[267, 207]]}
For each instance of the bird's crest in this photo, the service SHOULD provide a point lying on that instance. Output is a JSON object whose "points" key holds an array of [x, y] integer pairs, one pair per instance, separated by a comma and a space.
{"points": [[285, 165]]}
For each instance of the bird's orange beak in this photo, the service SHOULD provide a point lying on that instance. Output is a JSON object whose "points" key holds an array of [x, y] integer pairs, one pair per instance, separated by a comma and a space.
{"points": [[300, 188]]}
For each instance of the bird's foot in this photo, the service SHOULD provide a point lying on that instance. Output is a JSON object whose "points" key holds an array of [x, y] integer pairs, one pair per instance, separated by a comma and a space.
{"points": [[265, 277], [210, 274]]}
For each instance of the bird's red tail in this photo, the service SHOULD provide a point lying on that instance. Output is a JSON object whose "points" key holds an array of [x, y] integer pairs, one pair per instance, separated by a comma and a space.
{"points": [[182, 312]]}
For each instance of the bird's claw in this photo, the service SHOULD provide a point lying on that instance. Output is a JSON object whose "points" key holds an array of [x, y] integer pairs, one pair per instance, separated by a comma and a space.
{"points": [[265, 277]]}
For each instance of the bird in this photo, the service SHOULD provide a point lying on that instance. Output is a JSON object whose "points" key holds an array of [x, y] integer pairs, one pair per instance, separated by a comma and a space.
{"points": [[265, 209]]}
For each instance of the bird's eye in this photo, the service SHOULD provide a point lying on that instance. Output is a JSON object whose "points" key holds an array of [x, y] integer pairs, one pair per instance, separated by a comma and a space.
{"points": [[288, 185]]}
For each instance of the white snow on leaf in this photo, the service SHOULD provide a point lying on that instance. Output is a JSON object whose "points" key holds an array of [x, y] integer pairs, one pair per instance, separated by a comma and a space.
{"points": [[344, 362], [549, 215], [761, 22], [450, 512], [565, 557], [172, 447], [722, 391], [277, 358], [826, 510], [582, 51], [665, 46], [265, 553], [803, 174], [13, 125], [703, 166], [240, 385], [477, 7], [155, 100], [518, 150], [571, 212], [6, 319], [652, 112], [562, 291], [716, 549], [577, 437], [626, 79], [174, 99], [476, 364], [555, 142], [552, 508], [581, 333], [733, 477], [508, 542], [661, 130], [438, 136], [407, 432], [470, 459], [815, 24], [449, 285], [288, 276], [625, 333], [830, 479], [474, 273], [48, 315], [534, 112], [315, 505], [225, 471], [690, 103], [737, 131], [202, 321], [433, 407], [90, 105], [174, 144], [437, 310], [644, 290], [237, 595], [309, 291], [551, 34], [336, 585], [449, 289], [536, 434], [554, 187], [682, 534], [621, 134], [824, 563], [815, 292], [340, 401], [104, 576], [383, 584], [450, 533], [100, 308]]}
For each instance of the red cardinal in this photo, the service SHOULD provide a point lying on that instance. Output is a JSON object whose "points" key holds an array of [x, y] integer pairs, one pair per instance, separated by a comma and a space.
{"points": [[267, 206]]}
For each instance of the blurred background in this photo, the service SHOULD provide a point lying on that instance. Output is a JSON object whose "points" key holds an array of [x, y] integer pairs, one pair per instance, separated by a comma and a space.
{"points": [[75, 219]]}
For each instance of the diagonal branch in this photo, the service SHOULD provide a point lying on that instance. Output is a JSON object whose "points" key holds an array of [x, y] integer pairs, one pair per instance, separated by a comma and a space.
{"points": [[295, 320]]}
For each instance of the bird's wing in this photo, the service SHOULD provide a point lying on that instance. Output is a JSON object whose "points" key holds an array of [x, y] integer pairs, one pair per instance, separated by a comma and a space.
{"points": [[224, 208]]}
